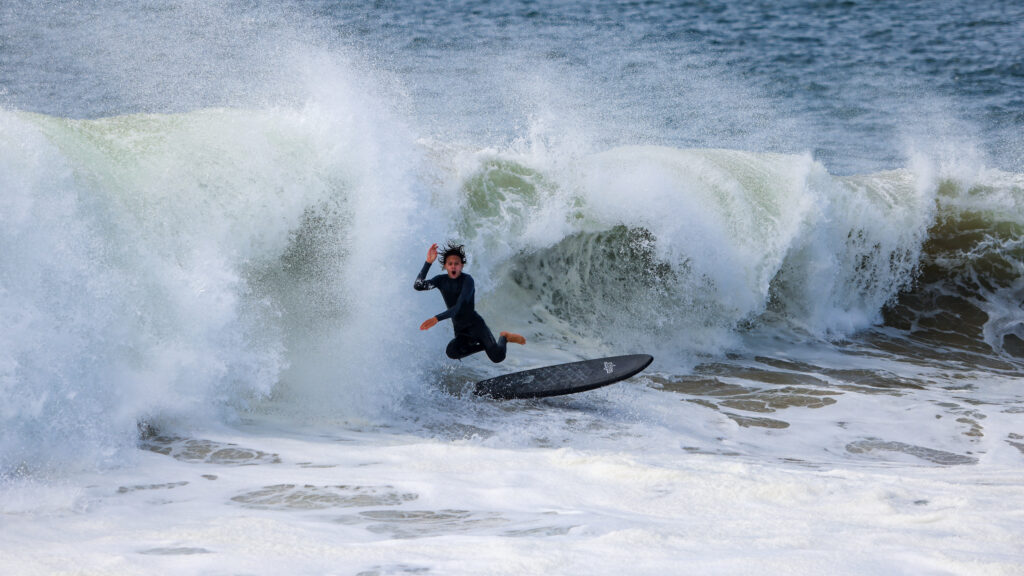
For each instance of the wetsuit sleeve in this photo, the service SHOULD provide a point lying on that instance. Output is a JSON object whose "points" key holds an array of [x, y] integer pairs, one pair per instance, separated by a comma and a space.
{"points": [[466, 295], [421, 283]]}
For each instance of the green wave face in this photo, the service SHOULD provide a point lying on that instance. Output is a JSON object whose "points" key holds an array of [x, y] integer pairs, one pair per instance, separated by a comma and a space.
{"points": [[970, 285]]}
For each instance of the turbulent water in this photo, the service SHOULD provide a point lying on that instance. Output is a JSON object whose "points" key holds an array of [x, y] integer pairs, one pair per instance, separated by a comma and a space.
{"points": [[810, 213]]}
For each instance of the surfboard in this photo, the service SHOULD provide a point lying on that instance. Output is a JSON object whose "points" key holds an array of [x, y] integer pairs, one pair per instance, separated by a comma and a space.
{"points": [[562, 379]]}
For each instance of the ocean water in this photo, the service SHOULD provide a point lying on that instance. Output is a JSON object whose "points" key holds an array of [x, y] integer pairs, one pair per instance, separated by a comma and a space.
{"points": [[810, 213]]}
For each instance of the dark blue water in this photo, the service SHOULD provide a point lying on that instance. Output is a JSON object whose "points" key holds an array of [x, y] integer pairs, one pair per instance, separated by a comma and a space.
{"points": [[861, 85]]}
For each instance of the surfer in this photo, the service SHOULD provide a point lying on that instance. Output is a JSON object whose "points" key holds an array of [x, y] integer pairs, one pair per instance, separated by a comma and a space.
{"points": [[471, 332]]}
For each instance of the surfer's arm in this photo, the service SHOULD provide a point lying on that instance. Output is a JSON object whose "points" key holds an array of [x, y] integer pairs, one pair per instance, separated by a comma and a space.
{"points": [[421, 283]]}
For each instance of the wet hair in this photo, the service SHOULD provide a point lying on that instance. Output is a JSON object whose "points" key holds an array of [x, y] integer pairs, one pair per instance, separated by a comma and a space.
{"points": [[453, 249]]}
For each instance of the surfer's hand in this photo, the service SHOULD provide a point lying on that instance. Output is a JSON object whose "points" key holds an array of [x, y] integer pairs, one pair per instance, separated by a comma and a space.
{"points": [[431, 256], [430, 322]]}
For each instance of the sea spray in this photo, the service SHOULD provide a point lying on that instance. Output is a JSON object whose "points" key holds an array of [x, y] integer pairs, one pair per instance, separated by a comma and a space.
{"points": [[56, 293], [165, 269]]}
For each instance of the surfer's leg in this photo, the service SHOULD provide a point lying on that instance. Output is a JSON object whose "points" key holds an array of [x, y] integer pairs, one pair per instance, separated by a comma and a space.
{"points": [[495, 348], [463, 345]]}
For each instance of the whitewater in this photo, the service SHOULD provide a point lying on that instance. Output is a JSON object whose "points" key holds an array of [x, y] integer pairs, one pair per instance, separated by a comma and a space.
{"points": [[211, 216]]}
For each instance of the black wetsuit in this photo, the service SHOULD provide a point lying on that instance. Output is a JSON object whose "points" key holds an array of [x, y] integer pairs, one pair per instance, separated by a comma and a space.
{"points": [[471, 332]]}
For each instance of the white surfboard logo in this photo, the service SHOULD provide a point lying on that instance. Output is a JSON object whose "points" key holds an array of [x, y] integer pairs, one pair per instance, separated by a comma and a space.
{"points": [[609, 367]]}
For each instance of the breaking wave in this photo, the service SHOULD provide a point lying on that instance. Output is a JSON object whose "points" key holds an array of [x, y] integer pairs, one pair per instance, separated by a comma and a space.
{"points": [[195, 266]]}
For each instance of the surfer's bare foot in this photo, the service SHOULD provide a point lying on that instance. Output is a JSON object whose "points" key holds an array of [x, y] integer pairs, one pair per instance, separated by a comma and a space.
{"points": [[514, 338]]}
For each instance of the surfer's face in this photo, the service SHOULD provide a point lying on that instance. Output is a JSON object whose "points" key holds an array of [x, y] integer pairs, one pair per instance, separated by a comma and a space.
{"points": [[453, 266]]}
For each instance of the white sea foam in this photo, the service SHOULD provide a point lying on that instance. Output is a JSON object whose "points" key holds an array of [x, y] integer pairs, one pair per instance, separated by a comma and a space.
{"points": [[358, 502]]}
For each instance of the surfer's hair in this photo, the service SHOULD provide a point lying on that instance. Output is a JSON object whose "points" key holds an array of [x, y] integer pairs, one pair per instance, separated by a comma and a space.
{"points": [[453, 249]]}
